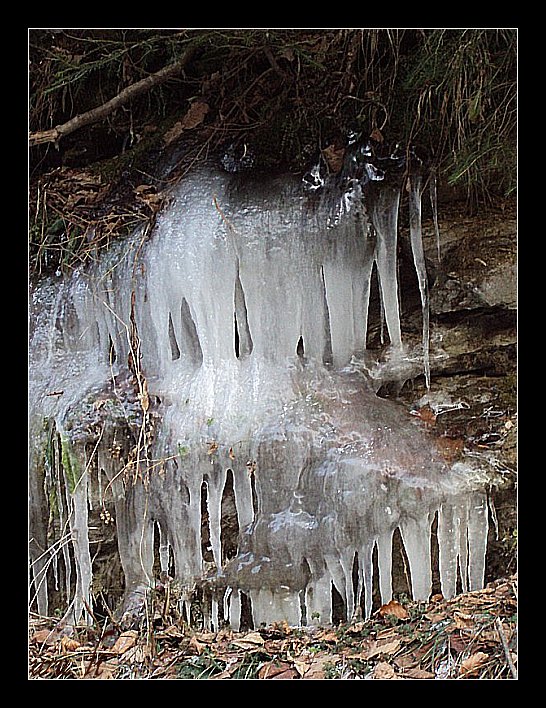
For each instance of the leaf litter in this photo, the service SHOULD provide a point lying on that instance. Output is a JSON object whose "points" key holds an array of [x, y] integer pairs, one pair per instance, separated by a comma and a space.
{"points": [[472, 636]]}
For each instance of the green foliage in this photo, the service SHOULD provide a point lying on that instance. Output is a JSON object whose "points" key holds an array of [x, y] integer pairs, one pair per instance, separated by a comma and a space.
{"points": [[461, 86], [71, 465]]}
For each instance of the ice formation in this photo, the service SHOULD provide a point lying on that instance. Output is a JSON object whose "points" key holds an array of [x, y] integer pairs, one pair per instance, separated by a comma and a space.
{"points": [[218, 352]]}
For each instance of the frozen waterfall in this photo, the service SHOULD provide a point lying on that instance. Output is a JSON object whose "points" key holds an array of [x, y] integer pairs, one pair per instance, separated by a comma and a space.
{"points": [[226, 349]]}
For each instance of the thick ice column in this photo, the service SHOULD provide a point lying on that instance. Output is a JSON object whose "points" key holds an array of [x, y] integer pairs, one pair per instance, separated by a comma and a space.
{"points": [[449, 544], [478, 526], [384, 562], [384, 217], [274, 307], [347, 297], [242, 489], [82, 557], [318, 598], [416, 537], [463, 525], [135, 535], [215, 482], [365, 574], [270, 606], [232, 607]]}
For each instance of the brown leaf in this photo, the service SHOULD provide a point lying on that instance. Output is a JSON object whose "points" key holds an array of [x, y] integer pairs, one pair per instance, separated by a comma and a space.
{"points": [[252, 640], [68, 644], [172, 631], [450, 448], [393, 608], [418, 674], [463, 621], [327, 636], [474, 662], [206, 637], [435, 616], [288, 674], [356, 628], [376, 135], [125, 641], [379, 648], [193, 117], [277, 670], [195, 644], [383, 670], [44, 636], [315, 670], [334, 157]]}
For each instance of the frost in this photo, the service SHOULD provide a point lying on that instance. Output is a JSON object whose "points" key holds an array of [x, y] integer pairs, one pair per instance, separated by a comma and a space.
{"points": [[223, 351]]}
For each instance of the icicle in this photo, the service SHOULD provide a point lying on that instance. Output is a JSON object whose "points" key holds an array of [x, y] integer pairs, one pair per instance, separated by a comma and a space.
{"points": [[214, 614], [318, 599], [215, 489], [164, 550], [416, 537], [477, 539], [384, 562], [434, 205], [80, 540], [233, 597], [384, 215], [416, 238], [366, 570]]}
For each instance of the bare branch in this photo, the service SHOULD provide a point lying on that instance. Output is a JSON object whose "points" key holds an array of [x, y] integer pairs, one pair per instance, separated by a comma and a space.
{"points": [[53, 135]]}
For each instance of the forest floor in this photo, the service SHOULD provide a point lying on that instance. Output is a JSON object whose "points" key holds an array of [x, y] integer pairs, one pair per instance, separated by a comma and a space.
{"points": [[471, 636]]}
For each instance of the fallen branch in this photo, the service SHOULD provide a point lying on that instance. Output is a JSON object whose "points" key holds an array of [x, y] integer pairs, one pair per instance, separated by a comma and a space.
{"points": [[127, 94]]}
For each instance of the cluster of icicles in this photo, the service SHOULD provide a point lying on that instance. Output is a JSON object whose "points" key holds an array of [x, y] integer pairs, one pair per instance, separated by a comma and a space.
{"points": [[244, 316]]}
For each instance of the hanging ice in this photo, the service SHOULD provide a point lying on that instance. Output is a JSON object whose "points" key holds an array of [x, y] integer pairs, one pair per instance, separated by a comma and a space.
{"points": [[218, 352]]}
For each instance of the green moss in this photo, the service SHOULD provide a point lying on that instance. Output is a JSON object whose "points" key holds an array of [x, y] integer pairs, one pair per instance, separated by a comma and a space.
{"points": [[72, 468]]}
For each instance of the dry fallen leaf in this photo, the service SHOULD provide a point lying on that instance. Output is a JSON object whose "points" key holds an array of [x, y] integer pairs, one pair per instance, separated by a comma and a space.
{"points": [[104, 670], [327, 636], [334, 157], [383, 670], [277, 670], [378, 648], [474, 662], [194, 643], [252, 640], [68, 644], [426, 414], [193, 117], [463, 621], [125, 641], [393, 608], [435, 616], [418, 674], [44, 636], [376, 135], [315, 670]]}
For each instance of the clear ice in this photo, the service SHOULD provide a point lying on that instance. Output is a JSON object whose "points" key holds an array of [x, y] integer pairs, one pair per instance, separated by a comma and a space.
{"points": [[218, 351]]}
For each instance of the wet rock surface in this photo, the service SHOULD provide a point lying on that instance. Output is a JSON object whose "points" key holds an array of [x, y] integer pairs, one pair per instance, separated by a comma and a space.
{"points": [[472, 401]]}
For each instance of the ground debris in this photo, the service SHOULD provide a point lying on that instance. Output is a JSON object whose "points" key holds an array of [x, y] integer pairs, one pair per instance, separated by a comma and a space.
{"points": [[472, 636]]}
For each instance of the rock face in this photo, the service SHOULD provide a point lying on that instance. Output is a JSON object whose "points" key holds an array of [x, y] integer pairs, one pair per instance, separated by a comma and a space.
{"points": [[472, 401]]}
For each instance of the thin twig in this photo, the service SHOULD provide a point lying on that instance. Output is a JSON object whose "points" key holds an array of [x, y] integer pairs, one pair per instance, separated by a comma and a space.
{"points": [[500, 632]]}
